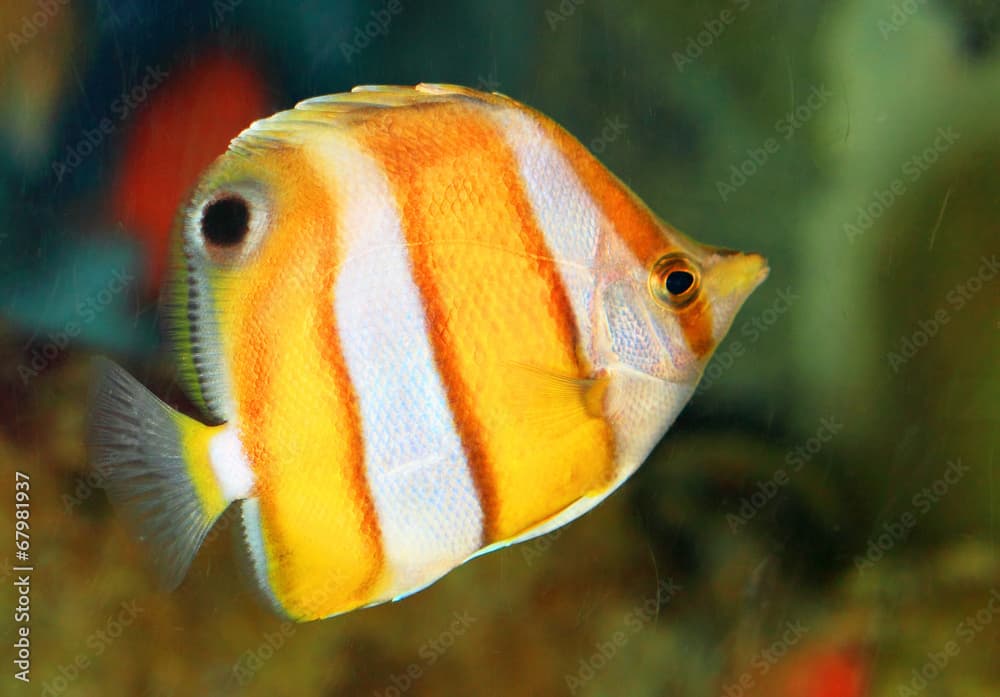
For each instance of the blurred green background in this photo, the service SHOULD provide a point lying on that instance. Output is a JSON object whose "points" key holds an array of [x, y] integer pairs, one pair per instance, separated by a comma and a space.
{"points": [[821, 521]]}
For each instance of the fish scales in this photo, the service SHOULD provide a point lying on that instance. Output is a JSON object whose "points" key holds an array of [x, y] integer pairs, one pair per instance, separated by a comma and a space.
{"points": [[436, 325]]}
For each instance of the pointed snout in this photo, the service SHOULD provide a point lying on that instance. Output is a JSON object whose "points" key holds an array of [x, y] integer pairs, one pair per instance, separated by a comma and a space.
{"points": [[729, 277], [732, 272]]}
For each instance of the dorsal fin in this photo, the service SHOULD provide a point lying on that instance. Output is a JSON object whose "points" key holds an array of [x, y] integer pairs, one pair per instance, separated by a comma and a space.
{"points": [[347, 108], [381, 96]]}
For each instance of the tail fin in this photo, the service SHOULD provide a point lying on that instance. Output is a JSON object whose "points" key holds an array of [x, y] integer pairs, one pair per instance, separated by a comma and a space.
{"points": [[155, 465]]}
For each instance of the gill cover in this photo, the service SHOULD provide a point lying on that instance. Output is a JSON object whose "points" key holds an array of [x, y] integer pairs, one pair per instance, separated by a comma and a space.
{"points": [[217, 232]]}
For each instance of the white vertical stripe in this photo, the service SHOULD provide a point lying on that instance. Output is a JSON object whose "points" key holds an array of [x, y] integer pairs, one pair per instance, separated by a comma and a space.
{"points": [[253, 535], [426, 501], [230, 464], [563, 209], [589, 254]]}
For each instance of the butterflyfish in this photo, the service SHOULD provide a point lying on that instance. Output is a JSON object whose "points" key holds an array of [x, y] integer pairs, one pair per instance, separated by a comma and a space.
{"points": [[419, 324]]}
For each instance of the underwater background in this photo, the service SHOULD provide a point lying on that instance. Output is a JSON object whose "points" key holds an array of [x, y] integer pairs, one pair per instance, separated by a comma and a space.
{"points": [[822, 520]]}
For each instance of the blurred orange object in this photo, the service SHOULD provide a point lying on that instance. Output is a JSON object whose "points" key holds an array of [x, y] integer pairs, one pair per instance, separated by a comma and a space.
{"points": [[184, 125], [818, 669], [829, 672]]}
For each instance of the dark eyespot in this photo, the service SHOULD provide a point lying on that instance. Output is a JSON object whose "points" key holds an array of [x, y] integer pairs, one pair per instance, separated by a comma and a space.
{"points": [[226, 221], [679, 281]]}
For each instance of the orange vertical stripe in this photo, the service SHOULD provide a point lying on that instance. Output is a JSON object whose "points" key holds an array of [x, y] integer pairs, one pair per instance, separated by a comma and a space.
{"points": [[299, 418], [642, 231], [696, 323], [639, 227], [494, 302]]}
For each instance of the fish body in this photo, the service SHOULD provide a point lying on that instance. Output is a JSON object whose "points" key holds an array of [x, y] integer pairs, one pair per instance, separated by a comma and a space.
{"points": [[422, 324]]}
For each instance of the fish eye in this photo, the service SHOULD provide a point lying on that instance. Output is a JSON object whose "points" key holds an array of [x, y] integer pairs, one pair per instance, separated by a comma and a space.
{"points": [[674, 280], [225, 221], [679, 281]]}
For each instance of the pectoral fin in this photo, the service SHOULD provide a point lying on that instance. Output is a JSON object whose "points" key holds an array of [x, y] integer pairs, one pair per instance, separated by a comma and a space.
{"points": [[546, 396]]}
